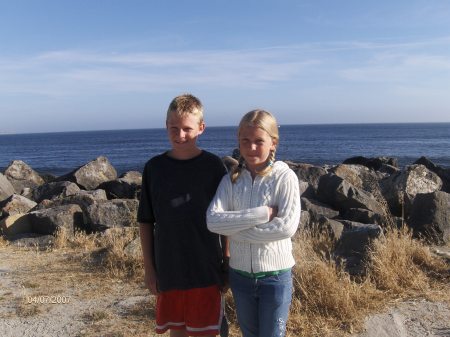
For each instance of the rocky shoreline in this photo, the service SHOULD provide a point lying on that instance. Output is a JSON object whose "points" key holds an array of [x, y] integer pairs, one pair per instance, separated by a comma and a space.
{"points": [[352, 201]]}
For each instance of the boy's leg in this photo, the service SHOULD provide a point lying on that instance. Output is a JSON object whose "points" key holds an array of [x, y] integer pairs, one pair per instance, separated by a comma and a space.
{"points": [[246, 302], [178, 333], [204, 311], [275, 293]]}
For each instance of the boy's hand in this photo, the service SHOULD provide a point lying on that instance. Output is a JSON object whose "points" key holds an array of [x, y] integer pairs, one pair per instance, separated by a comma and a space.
{"points": [[273, 211], [150, 283], [225, 269]]}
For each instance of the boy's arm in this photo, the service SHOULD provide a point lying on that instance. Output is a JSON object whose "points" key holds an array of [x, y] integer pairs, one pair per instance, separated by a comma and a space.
{"points": [[147, 239], [225, 261]]}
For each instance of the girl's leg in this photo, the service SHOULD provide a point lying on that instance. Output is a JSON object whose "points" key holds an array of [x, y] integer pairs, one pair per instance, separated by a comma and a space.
{"points": [[246, 303], [275, 295]]}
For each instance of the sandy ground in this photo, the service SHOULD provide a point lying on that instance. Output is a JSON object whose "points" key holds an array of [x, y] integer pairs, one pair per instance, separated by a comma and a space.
{"points": [[53, 294]]}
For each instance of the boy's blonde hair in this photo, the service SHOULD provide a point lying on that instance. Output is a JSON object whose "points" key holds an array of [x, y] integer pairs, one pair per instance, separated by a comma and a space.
{"points": [[184, 105], [266, 121]]}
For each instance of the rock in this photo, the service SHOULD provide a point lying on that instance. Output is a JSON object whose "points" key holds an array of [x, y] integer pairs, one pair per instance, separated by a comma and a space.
{"points": [[364, 216], [333, 228], [444, 174], [15, 204], [353, 245], [400, 189], [305, 219], [316, 208], [230, 163], [310, 174], [306, 190], [342, 195], [51, 220], [21, 176], [92, 174], [132, 177], [133, 249], [358, 175], [113, 213], [15, 224], [6, 189], [32, 240], [126, 187], [430, 216], [54, 190], [84, 199], [372, 163]]}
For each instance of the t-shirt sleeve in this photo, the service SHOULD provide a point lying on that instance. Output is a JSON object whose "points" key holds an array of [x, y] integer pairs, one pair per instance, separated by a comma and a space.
{"points": [[145, 210]]}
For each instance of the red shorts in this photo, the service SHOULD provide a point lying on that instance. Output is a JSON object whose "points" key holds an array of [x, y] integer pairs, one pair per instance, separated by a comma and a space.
{"points": [[198, 311]]}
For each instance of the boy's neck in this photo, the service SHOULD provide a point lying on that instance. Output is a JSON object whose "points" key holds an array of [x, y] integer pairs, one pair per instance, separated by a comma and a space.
{"points": [[184, 155]]}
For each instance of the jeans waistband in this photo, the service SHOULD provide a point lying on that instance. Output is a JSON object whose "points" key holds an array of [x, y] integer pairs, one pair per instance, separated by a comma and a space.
{"points": [[261, 274]]}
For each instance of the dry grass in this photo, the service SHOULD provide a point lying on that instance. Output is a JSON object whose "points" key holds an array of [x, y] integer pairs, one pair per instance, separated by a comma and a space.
{"points": [[326, 301], [105, 251], [403, 266], [3, 242]]}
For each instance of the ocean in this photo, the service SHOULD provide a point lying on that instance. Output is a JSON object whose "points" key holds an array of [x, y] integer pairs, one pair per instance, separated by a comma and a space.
{"points": [[59, 153]]}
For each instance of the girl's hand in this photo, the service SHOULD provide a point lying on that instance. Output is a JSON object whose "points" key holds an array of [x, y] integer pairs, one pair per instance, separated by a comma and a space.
{"points": [[273, 211]]}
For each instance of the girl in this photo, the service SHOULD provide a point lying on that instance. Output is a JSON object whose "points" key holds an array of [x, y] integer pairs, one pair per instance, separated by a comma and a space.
{"points": [[258, 207]]}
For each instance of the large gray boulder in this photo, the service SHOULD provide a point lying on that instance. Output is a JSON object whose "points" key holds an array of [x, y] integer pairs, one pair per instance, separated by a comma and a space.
{"points": [[376, 164], [126, 187], [443, 173], [91, 175], [14, 225], [112, 213], [67, 218], [364, 216], [54, 190], [22, 176], [15, 204], [400, 188], [6, 189], [322, 224], [342, 195], [358, 175], [316, 208], [310, 174], [354, 243], [430, 216]]}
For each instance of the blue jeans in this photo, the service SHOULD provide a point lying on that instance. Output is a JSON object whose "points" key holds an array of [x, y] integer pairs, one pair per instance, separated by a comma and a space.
{"points": [[262, 305]]}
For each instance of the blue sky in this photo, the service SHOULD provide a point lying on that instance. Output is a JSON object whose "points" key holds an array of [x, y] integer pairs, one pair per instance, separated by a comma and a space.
{"points": [[97, 65]]}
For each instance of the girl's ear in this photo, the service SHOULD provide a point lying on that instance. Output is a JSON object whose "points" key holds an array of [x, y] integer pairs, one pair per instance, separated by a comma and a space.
{"points": [[274, 144]]}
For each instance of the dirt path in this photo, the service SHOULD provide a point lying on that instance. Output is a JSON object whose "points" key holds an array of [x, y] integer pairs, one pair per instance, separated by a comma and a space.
{"points": [[54, 294], [48, 294]]}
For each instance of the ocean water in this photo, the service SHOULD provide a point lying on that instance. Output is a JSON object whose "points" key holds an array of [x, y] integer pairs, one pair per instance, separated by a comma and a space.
{"points": [[59, 153]]}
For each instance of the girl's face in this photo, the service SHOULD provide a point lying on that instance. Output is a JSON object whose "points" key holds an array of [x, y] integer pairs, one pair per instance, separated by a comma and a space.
{"points": [[255, 145]]}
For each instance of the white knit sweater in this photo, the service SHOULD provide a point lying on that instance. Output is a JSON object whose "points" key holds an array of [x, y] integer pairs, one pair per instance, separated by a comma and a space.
{"points": [[240, 211]]}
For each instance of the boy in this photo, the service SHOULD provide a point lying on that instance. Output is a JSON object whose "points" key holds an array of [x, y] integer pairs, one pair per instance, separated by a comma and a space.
{"points": [[182, 259]]}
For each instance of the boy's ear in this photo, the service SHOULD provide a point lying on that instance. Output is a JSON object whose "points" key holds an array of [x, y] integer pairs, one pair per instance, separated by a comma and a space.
{"points": [[201, 128]]}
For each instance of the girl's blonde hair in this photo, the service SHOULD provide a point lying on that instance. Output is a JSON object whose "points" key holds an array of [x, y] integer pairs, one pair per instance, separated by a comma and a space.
{"points": [[266, 121]]}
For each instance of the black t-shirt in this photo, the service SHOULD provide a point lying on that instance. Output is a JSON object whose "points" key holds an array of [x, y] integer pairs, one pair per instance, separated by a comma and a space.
{"points": [[175, 196]]}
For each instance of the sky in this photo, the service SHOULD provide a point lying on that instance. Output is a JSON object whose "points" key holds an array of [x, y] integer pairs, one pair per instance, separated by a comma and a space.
{"points": [[75, 65]]}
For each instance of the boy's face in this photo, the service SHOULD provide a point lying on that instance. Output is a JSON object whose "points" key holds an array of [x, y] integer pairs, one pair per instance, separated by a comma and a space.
{"points": [[184, 131]]}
